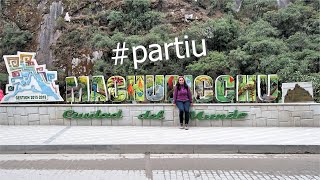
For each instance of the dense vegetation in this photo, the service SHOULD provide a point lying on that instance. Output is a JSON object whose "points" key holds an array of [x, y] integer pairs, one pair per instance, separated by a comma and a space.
{"points": [[260, 38]]}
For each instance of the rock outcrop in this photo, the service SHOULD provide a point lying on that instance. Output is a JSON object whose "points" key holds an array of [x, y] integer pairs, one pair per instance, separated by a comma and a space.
{"points": [[48, 33]]}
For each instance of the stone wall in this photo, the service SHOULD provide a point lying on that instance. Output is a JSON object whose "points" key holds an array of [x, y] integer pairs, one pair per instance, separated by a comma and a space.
{"points": [[259, 115]]}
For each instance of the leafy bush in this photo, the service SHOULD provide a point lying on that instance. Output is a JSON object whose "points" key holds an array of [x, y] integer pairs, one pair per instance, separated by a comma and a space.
{"points": [[12, 39], [136, 17]]}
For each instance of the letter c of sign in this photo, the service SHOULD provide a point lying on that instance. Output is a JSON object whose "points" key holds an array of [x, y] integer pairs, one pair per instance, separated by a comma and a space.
{"points": [[68, 114]]}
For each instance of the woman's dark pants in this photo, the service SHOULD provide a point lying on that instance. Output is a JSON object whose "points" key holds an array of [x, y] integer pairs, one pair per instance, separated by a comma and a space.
{"points": [[184, 107]]}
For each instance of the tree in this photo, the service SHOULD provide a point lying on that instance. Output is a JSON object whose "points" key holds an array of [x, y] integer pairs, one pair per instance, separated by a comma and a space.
{"points": [[213, 64], [255, 9], [136, 17], [116, 19], [218, 33], [256, 30], [290, 19], [12, 39], [257, 42]]}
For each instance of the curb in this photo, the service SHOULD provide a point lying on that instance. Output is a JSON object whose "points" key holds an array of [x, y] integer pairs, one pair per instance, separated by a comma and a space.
{"points": [[159, 149]]}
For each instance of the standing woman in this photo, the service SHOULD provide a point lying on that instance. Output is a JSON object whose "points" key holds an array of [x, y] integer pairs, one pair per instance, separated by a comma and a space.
{"points": [[182, 98]]}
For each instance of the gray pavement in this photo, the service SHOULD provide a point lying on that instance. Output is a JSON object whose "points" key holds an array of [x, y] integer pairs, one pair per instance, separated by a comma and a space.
{"points": [[160, 166], [133, 139]]}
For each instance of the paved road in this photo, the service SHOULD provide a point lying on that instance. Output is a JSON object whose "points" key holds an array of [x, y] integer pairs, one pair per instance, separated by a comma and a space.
{"points": [[159, 166]]}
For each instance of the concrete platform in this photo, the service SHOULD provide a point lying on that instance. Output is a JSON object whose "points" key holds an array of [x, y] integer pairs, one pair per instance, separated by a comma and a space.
{"points": [[157, 140]]}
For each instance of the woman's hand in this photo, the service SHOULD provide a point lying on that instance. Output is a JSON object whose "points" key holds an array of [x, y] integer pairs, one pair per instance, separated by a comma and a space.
{"points": [[191, 104]]}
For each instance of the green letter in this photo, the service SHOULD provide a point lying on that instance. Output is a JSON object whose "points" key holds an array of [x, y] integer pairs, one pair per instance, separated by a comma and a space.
{"points": [[68, 114], [246, 88], [224, 88], [203, 89]]}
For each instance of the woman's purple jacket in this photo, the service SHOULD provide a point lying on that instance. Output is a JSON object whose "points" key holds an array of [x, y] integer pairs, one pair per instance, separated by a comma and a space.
{"points": [[182, 95]]}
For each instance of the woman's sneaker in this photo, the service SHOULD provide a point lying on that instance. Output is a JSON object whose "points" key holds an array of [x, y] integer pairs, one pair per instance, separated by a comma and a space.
{"points": [[181, 126], [187, 127]]}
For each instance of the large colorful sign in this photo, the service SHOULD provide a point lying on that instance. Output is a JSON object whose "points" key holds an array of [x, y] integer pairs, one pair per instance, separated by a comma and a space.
{"points": [[28, 81], [159, 88]]}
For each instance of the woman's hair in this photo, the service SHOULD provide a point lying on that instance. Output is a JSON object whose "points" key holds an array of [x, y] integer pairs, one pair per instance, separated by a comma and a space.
{"points": [[184, 84]]}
